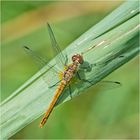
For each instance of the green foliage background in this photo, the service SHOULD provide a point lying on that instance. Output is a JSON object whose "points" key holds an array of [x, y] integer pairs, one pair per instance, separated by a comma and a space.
{"points": [[97, 114]]}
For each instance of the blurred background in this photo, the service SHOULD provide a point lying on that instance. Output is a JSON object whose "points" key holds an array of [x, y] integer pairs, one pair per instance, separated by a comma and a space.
{"points": [[96, 114]]}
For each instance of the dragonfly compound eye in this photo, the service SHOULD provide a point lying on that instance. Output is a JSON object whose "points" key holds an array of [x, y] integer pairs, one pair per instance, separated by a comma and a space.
{"points": [[77, 57]]}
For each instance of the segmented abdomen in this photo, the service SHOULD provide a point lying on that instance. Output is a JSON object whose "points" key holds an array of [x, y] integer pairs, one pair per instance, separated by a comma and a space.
{"points": [[68, 74], [57, 95]]}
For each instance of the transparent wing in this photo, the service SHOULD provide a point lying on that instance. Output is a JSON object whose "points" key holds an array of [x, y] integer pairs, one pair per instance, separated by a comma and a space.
{"points": [[108, 85], [84, 72], [103, 85], [60, 58], [47, 71]]}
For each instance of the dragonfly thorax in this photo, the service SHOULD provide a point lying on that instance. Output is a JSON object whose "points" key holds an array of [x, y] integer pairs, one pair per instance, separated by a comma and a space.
{"points": [[77, 58]]}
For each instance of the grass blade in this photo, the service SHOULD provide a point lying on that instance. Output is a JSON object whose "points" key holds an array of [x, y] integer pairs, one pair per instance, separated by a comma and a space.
{"points": [[119, 34]]}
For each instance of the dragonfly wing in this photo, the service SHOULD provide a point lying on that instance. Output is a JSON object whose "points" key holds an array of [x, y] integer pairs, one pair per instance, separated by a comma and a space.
{"points": [[41, 62], [47, 71], [51, 78], [108, 85], [60, 58]]}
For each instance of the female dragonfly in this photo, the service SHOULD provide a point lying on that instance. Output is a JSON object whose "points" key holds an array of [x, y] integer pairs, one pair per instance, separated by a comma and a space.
{"points": [[70, 71]]}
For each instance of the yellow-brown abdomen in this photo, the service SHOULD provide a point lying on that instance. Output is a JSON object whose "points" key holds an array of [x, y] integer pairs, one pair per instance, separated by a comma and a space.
{"points": [[57, 95]]}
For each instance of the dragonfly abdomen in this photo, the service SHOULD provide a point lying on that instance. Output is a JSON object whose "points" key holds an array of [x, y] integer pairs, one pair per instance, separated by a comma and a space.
{"points": [[55, 98], [61, 87]]}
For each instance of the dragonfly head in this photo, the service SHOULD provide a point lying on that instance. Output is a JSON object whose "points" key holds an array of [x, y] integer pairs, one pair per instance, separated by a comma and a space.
{"points": [[78, 58]]}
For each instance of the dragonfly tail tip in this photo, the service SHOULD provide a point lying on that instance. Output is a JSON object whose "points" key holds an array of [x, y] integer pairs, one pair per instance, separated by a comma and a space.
{"points": [[40, 125]]}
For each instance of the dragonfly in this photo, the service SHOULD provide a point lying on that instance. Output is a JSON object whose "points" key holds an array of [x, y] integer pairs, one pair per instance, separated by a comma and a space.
{"points": [[70, 71]]}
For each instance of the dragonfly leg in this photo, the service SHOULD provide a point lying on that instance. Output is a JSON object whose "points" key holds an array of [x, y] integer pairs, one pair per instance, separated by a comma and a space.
{"points": [[55, 84], [70, 91], [78, 75], [84, 80], [66, 61]]}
